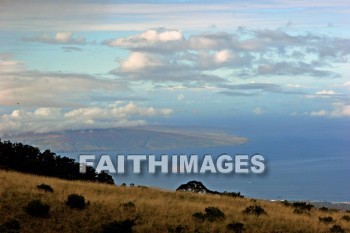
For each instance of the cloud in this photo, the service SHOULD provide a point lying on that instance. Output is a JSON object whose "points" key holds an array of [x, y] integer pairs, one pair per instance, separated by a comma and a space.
{"points": [[326, 92], [149, 38], [293, 68], [339, 110], [160, 55], [138, 61], [30, 88], [41, 120], [58, 38], [258, 111], [69, 49], [319, 113]]}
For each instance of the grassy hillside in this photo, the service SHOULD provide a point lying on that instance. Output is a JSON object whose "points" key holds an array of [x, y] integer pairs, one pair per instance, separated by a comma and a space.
{"points": [[155, 210]]}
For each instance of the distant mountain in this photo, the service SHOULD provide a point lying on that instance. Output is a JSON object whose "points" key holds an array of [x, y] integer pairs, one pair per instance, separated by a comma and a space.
{"points": [[139, 138]]}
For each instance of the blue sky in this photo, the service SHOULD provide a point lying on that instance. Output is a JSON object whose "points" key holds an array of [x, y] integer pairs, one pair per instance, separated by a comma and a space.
{"points": [[100, 64]]}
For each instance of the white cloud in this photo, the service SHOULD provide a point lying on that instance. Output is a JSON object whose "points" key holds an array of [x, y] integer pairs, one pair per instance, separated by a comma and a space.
{"points": [[58, 38], [149, 38], [319, 113], [258, 111], [137, 61], [326, 92], [56, 119], [180, 97], [341, 110], [223, 56]]}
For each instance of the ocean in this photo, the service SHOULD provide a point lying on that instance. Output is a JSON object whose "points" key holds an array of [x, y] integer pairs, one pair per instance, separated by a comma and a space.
{"points": [[306, 159]]}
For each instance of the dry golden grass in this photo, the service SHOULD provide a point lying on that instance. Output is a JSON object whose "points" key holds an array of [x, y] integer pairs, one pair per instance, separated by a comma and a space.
{"points": [[156, 210]]}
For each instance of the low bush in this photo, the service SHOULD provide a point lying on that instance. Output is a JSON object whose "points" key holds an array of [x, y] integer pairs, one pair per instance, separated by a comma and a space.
{"points": [[301, 211], [256, 210], [303, 205], [10, 226], [128, 205], [76, 201], [346, 218], [199, 216], [236, 227], [119, 226], [178, 229], [336, 229], [36, 208], [45, 187], [324, 209], [211, 214], [327, 220]]}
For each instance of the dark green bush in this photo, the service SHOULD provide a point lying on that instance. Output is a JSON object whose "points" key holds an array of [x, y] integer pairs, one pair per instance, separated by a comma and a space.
{"points": [[301, 211], [10, 226], [328, 219], [36, 208], [236, 227], [346, 218], [286, 203], [119, 226], [199, 216], [178, 229], [336, 229], [256, 210], [325, 209], [45, 187], [76, 201], [303, 205], [128, 205], [213, 213]]}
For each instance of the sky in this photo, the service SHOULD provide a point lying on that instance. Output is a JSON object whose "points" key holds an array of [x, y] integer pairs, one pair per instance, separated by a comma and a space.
{"points": [[71, 65]]}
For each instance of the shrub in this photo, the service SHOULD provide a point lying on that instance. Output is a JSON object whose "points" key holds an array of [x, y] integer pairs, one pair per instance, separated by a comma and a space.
{"points": [[199, 216], [128, 205], [76, 201], [346, 218], [36, 208], [213, 213], [325, 209], [119, 226], [236, 227], [347, 211], [256, 209], [45, 187], [301, 211], [337, 229], [286, 203], [10, 226], [178, 229], [303, 205], [328, 219]]}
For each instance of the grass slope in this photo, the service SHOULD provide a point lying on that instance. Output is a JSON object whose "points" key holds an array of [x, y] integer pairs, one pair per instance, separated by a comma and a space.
{"points": [[155, 210]]}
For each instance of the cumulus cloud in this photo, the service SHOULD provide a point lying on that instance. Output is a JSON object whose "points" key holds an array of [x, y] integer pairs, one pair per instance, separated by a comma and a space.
{"points": [[42, 120], [339, 110], [162, 54], [138, 61], [155, 39], [58, 38]]}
